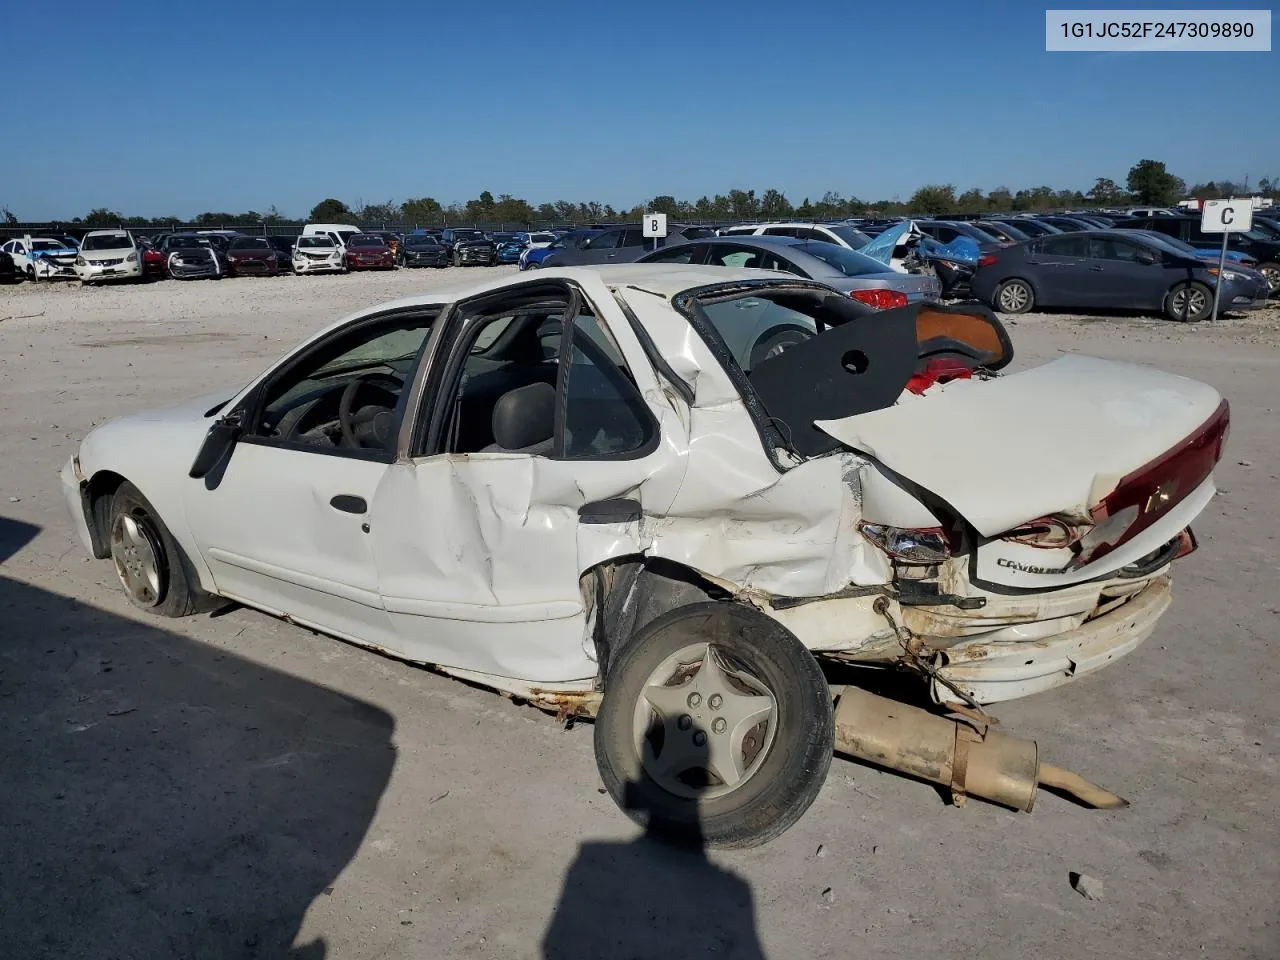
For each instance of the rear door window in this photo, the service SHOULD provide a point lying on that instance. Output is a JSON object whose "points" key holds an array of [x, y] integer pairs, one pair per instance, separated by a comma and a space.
{"points": [[1067, 245]]}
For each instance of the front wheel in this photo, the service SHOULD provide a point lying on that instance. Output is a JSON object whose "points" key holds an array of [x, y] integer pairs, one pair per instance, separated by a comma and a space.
{"points": [[1014, 296], [150, 565], [716, 727], [1189, 303], [1272, 272]]}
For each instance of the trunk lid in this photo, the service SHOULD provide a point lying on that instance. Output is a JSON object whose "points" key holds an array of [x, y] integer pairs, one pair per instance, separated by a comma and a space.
{"points": [[1079, 437]]}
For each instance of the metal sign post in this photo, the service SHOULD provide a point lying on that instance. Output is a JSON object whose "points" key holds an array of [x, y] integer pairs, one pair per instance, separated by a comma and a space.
{"points": [[1225, 217], [31, 257]]}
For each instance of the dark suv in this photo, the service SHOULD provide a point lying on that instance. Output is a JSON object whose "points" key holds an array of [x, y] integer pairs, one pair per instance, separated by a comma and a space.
{"points": [[1258, 244], [467, 247], [620, 243]]}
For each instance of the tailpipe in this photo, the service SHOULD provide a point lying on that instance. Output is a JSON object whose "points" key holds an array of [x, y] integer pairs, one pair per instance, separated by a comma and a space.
{"points": [[964, 755]]}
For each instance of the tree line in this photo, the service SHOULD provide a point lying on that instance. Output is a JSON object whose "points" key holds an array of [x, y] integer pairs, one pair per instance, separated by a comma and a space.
{"points": [[1149, 183]]}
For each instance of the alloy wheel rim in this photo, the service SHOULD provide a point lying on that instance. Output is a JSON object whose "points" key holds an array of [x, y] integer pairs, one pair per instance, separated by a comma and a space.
{"points": [[1013, 297], [703, 727], [137, 560]]}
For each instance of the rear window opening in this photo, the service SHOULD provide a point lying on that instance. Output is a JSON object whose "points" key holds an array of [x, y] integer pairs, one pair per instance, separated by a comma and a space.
{"points": [[800, 353]]}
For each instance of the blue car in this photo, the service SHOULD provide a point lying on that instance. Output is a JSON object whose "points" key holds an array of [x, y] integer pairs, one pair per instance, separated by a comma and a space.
{"points": [[510, 247], [532, 258]]}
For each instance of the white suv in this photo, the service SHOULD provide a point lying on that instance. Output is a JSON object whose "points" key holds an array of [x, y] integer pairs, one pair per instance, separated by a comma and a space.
{"points": [[109, 255], [840, 234]]}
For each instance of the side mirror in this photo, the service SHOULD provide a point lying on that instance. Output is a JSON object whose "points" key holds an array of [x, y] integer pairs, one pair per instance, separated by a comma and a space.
{"points": [[1147, 258], [218, 442]]}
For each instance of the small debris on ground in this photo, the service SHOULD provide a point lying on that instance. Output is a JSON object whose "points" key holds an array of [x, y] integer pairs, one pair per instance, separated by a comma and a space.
{"points": [[1088, 887], [821, 851], [828, 895], [1245, 463]]}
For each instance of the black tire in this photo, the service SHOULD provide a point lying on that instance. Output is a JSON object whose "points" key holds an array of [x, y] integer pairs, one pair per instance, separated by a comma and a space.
{"points": [[176, 590], [777, 340], [533, 265], [780, 786], [1189, 302], [1013, 296]]}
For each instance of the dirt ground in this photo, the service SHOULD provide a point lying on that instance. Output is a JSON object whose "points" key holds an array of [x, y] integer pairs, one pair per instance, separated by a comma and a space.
{"points": [[234, 786]]}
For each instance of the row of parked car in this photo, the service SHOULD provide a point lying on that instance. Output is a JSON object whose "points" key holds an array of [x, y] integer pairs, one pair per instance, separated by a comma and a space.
{"points": [[321, 248]]}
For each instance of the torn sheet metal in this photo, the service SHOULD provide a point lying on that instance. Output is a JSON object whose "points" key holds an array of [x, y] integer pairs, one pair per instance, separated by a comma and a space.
{"points": [[1023, 446]]}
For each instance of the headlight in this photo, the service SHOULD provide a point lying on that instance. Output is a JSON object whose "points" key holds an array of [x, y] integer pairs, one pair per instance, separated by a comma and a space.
{"points": [[81, 262], [131, 258], [1232, 275]]}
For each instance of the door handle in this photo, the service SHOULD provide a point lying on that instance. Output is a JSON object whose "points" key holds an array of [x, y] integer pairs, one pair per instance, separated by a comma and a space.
{"points": [[349, 503], [610, 511], [1096, 269]]}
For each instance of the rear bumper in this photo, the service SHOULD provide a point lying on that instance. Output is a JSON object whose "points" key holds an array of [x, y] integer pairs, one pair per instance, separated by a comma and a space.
{"points": [[991, 671]]}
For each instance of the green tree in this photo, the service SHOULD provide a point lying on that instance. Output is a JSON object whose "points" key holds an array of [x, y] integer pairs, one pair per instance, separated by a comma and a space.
{"points": [[805, 210], [933, 198], [482, 208], [743, 204], [1000, 200], [774, 205], [1150, 182], [664, 203], [421, 210], [546, 211], [378, 214], [330, 211], [102, 217], [1105, 192], [566, 210], [971, 201], [511, 209]]}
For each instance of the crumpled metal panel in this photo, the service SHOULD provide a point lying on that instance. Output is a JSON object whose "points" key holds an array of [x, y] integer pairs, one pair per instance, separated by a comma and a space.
{"points": [[881, 247]]}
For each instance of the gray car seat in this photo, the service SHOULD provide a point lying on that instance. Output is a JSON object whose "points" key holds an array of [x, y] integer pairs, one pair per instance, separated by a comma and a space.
{"points": [[524, 420]]}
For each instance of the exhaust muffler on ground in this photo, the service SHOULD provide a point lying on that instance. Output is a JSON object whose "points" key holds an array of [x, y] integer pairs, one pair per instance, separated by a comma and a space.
{"points": [[964, 755]]}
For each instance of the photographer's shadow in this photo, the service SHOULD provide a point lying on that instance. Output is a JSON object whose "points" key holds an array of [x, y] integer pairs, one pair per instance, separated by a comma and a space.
{"points": [[651, 899]]}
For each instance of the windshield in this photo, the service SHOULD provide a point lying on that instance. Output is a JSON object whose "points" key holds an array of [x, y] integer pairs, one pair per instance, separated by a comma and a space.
{"points": [[1270, 227], [846, 261], [468, 234], [315, 242], [542, 238], [1013, 233], [421, 241], [982, 236], [189, 243], [45, 245], [854, 238], [250, 243], [365, 240], [108, 241]]}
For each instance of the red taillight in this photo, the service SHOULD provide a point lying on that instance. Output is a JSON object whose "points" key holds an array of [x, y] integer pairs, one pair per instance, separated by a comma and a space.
{"points": [[938, 370], [1141, 498], [880, 299], [987, 259]]}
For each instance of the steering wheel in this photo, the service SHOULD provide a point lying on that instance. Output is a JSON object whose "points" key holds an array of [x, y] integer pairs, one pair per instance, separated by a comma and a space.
{"points": [[349, 421]]}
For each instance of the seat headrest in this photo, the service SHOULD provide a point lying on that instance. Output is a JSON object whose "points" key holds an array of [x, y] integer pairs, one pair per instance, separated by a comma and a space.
{"points": [[525, 416]]}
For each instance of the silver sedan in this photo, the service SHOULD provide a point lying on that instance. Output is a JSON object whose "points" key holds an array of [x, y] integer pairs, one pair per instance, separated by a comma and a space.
{"points": [[863, 278]]}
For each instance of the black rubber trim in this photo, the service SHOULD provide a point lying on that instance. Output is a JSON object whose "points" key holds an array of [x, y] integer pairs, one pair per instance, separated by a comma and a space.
{"points": [[349, 503], [617, 510]]}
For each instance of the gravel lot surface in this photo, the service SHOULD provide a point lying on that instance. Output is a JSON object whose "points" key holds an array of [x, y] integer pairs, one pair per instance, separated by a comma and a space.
{"points": [[235, 786]]}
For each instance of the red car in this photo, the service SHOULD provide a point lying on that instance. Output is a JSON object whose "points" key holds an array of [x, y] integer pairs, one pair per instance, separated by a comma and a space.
{"points": [[251, 255], [367, 251], [154, 263]]}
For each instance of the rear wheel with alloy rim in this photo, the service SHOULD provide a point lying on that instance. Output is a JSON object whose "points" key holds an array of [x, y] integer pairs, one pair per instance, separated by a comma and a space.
{"points": [[716, 726], [1272, 272], [1014, 296]]}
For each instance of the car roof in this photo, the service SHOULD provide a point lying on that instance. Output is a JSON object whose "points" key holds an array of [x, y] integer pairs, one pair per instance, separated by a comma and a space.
{"points": [[750, 240], [664, 279]]}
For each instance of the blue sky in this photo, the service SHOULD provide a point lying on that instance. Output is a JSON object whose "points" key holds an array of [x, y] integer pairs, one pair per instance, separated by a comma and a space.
{"points": [[160, 108]]}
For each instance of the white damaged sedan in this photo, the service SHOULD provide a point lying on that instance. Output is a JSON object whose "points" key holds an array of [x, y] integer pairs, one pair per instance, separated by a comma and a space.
{"points": [[568, 487]]}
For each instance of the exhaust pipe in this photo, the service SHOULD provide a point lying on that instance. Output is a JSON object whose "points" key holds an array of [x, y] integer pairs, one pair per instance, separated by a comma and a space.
{"points": [[967, 757]]}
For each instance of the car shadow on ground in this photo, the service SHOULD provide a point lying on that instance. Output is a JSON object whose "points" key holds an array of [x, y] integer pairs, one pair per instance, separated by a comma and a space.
{"points": [[162, 797], [651, 899]]}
